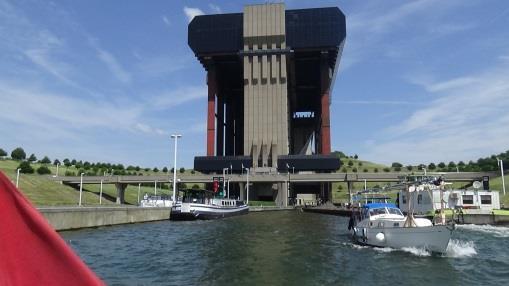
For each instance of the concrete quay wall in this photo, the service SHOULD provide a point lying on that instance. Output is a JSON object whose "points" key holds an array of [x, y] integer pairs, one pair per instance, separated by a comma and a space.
{"points": [[66, 218]]}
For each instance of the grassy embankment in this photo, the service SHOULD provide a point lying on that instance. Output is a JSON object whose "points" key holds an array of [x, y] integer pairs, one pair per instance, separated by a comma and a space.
{"points": [[43, 192]]}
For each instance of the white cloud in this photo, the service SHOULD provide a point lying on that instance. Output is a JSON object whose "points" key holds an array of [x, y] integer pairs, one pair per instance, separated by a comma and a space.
{"points": [[166, 20], [148, 129], [467, 120], [215, 9], [178, 96], [192, 12], [376, 102], [113, 65]]}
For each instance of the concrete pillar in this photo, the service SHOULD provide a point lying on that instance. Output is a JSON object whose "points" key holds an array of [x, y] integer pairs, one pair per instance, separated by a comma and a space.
{"points": [[211, 109], [282, 194], [220, 126], [242, 191], [350, 188], [120, 192], [325, 146]]}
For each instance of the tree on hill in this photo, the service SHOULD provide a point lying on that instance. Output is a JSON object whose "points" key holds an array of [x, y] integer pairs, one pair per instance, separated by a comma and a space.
{"points": [[359, 163], [350, 163], [355, 156], [137, 168], [66, 162], [375, 170], [396, 165], [387, 169], [155, 170], [18, 154], [421, 167], [451, 165], [165, 170], [339, 154], [73, 162], [45, 160], [441, 165], [409, 167], [432, 166], [182, 170], [56, 162], [397, 169], [43, 170], [2, 153], [32, 158], [146, 169], [25, 168], [354, 170]]}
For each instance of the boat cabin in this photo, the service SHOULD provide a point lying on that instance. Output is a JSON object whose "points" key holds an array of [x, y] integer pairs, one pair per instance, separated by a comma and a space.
{"points": [[426, 201]]}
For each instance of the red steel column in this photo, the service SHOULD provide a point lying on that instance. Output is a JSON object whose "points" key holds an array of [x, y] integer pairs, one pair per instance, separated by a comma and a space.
{"points": [[325, 146], [211, 109]]}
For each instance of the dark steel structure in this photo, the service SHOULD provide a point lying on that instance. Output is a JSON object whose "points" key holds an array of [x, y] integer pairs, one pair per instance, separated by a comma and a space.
{"points": [[298, 52]]}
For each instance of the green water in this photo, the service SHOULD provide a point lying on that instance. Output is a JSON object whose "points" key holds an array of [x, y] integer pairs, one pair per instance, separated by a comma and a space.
{"points": [[282, 248]]}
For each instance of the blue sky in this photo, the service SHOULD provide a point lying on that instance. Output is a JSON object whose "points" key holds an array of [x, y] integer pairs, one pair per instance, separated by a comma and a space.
{"points": [[419, 81]]}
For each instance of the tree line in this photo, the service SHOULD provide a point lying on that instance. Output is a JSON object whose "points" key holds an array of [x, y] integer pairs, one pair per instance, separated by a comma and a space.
{"points": [[85, 167]]}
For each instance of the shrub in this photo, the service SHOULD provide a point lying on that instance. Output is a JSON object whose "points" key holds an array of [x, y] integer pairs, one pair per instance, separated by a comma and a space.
{"points": [[340, 187], [350, 163], [43, 170], [409, 168], [182, 170], [355, 156], [397, 169], [165, 170], [18, 154], [365, 170], [32, 158], [344, 170], [26, 168], [375, 170], [155, 170], [46, 160], [359, 163], [387, 169], [354, 170], [69, 173]]}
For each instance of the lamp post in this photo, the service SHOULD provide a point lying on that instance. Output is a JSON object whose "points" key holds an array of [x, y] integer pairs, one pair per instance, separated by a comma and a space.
{"points": [[176, 137], [101, 193], [424, 171], [81, 187], [139, 189], [17, 177], [501, 164], [247, 186]]}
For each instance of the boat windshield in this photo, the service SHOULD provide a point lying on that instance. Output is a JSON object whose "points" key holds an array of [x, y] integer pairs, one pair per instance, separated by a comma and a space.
{"points": [[377, 211], [395, 211]]}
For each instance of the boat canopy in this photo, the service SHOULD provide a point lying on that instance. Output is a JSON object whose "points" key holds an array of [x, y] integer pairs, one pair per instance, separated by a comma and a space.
{"points": [[379, 205]]}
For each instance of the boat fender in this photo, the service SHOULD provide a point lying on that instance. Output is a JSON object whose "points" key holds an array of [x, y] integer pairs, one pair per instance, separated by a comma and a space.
{"points": [[380, 236]]}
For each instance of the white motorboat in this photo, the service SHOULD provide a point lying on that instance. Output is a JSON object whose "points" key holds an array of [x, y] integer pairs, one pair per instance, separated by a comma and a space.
{"points": [[203, 204], [383, 225]]}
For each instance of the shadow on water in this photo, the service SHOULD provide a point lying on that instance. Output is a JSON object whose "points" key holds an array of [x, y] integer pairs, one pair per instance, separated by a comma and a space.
{"points": [[277, 248]]}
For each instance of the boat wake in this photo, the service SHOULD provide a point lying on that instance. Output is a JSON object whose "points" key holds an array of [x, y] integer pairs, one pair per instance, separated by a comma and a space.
{"points": [[497, 231], [459, 249], [455, 249]]}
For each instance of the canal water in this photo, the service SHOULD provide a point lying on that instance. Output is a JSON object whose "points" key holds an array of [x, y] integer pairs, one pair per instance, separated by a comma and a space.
{"points": [[282, 248]]}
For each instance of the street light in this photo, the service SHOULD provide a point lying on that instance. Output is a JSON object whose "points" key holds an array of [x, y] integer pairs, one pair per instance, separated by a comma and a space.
{"points": [[17, 177], [176, 137], [424, 171], [101, 193], [81, 186], [501, 164]]}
